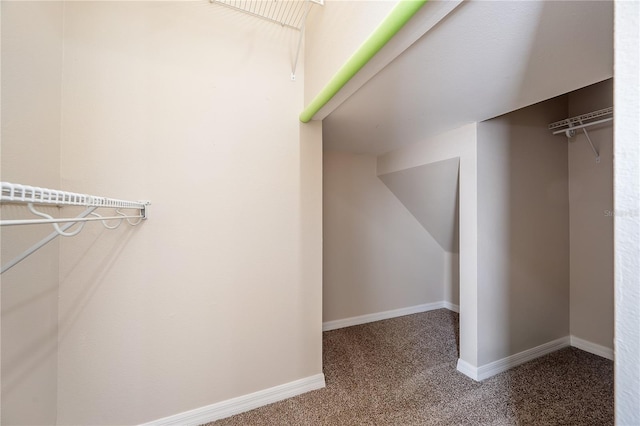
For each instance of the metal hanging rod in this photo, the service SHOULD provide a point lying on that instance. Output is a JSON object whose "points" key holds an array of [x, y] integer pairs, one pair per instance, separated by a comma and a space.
{"points": [[581, 122], [30, 196], [68, 220]]}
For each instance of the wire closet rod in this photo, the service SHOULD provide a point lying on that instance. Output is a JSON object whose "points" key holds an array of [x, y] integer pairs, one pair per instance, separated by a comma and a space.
{"points": [[66, 220]]}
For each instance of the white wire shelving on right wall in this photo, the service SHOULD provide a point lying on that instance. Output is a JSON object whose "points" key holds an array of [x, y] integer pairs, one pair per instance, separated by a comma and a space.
{"points": [[569, 126]]}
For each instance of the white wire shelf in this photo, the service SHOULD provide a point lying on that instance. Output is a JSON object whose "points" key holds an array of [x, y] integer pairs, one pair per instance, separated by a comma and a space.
{"points": [[16, 193], [584, 120], [569, 126], [13, 193], [288, 13]]}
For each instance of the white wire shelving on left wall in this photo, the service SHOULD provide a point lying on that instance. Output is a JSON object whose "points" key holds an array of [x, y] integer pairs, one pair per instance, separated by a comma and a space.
{"points": [[287, 13], [31, 196]]}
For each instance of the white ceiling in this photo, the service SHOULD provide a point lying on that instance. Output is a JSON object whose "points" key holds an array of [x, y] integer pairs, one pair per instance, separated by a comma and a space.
{"points": [[484, 59]]}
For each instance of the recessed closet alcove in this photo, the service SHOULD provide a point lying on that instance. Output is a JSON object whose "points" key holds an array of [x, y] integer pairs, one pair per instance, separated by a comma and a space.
{"points": [[544, 242], [513, 195]]}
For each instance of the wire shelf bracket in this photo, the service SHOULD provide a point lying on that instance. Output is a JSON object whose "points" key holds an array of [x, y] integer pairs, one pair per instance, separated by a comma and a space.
{"points": [[31, 196], [287, 13], [581, 122]]}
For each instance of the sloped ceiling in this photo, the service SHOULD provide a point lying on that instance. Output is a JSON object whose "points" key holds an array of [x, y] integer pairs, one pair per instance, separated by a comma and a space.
{"points": [[430, 193], [484, 59]]}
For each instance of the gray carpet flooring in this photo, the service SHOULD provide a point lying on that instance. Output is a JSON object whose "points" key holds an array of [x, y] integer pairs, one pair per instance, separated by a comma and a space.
{"points": [[402, 371]]}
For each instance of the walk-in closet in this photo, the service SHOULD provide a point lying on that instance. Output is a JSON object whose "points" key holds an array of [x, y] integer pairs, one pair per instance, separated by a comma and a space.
{"points": [[256, 212]]}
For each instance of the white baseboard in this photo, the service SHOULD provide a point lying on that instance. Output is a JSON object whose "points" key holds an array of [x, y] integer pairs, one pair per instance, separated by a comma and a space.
{"points": [[450, 306], [467, 369], [504, 364], [241, 404], [363, 319], [591, 347]]}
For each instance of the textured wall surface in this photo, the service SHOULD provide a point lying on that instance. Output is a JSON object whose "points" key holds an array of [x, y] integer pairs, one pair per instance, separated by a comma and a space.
{"points": [[627, 205]]}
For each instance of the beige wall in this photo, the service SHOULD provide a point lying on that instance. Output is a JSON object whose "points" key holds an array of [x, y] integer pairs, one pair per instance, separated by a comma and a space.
{"points": [[430, 193], [590, 198], [31, 67], [523, 232], [189, 105], [377, 256], [218, 294]]}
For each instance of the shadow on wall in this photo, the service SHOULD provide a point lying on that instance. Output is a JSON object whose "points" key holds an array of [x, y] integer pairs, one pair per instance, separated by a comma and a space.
{"points": [[21, 365], [377, 256], [431, 194], [523, 232]]}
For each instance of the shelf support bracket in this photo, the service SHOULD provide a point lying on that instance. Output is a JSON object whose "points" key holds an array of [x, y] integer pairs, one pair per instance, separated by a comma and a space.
{"points": [[593, 148], [571, 132], [300, 38], [44, 241]]}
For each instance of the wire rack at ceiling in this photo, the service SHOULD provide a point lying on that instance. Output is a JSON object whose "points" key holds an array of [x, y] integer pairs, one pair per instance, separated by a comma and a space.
{"points": [[288, 13]]}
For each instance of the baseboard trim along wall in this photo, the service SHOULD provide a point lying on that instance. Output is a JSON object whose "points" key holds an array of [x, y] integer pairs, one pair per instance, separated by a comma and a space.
{"points": [[363, 319], [591, 347], [450, 306], [504, 364], [230, 407], [241, 404]]}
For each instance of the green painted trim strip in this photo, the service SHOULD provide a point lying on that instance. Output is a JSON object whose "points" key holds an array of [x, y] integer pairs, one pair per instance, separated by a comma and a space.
{"points": [[397, 18]]}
